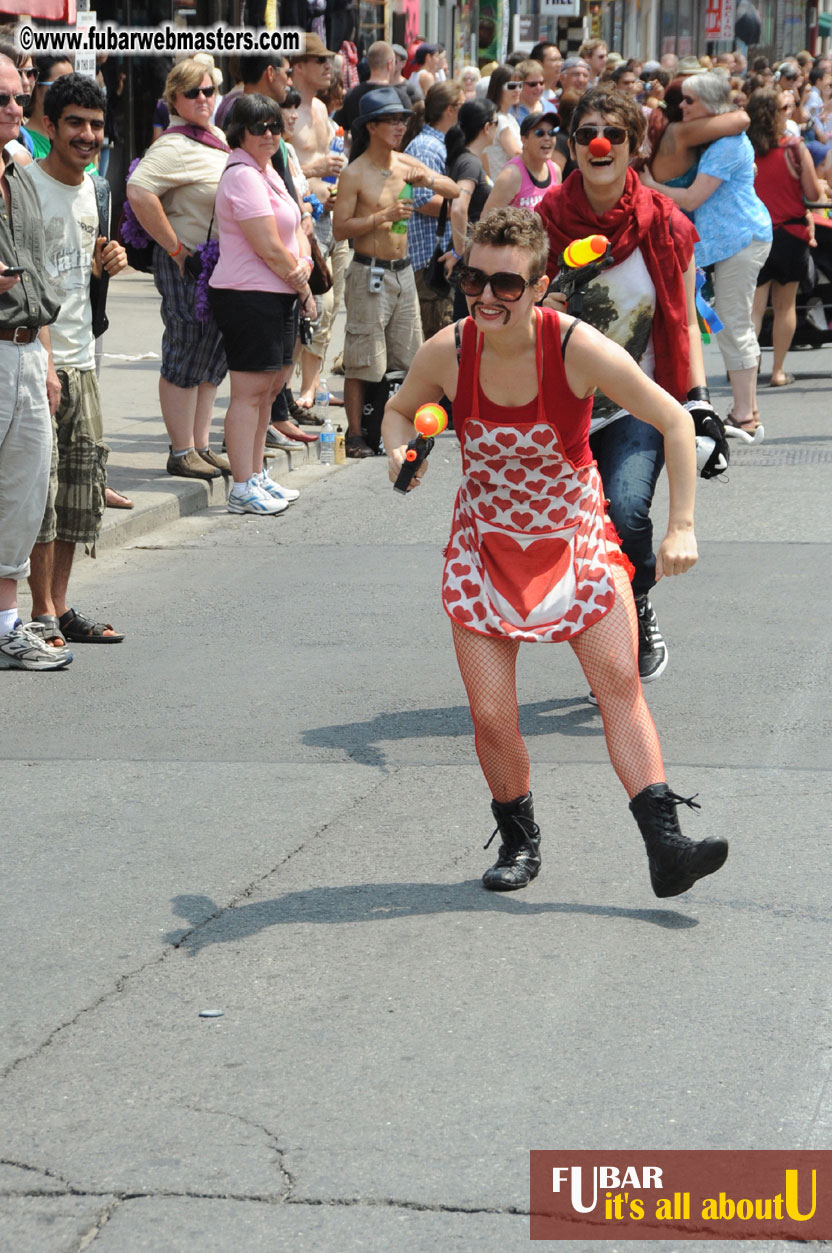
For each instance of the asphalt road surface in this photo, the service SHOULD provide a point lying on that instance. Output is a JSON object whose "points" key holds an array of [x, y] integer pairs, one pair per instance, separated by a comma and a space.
{"points": [[266, 802]]}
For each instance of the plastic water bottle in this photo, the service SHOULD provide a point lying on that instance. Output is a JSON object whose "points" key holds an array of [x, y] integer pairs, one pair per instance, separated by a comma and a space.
{"points": [[337, 145], [327, 440]]}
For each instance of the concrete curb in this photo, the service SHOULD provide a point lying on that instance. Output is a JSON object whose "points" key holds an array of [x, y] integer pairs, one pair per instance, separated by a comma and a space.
{"points": [[163, 500]]}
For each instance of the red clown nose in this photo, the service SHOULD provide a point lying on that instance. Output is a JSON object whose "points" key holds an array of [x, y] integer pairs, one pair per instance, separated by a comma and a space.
{"points": [[600, 146]]}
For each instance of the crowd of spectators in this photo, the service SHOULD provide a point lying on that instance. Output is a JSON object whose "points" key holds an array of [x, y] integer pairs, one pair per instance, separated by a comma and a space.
{"points": [[300, 179]]}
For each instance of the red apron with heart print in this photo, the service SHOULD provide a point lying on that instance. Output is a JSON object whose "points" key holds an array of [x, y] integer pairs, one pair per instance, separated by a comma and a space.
{"points": [[530, 549]]}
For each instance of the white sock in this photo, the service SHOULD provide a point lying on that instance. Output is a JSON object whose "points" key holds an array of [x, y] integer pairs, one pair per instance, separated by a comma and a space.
{"points": [[239, 488], [8, 617], [181, 452]]}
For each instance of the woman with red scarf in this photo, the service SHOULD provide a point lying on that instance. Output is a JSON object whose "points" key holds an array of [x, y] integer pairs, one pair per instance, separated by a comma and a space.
{"points": [[646, 302]]}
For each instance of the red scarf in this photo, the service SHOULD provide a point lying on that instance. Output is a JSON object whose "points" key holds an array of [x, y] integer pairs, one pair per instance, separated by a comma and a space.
{"points": [[641, 219]]}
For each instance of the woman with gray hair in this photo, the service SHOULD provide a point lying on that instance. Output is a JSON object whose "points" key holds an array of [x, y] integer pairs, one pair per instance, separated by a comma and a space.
{"points": [[734, 238]]}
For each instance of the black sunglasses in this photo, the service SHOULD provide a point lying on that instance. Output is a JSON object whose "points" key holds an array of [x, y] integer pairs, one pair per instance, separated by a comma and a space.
{"points": [[193, 92], [504, 285], [585, 134], [32, 73], [260, 128], [24, 100], [513, 86]]}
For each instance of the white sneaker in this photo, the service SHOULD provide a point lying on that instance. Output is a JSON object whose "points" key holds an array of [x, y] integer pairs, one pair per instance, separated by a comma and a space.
{"points": [[268, 485], [252, 499], [23, 649]]}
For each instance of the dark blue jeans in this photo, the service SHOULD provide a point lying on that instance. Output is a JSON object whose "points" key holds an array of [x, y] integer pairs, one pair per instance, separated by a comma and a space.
{"points": [[630, 456]]}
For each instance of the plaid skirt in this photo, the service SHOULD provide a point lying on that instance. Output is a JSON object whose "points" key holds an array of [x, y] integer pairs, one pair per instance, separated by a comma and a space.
{"points": [[192, 351]]}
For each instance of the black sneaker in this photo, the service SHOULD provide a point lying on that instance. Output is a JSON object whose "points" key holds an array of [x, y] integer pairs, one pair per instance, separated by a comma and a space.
{"points": [[652, 650]]}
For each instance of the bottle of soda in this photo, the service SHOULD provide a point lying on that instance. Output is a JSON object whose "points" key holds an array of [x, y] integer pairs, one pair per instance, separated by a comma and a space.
{"points": [[400, 227], [337, 145]]}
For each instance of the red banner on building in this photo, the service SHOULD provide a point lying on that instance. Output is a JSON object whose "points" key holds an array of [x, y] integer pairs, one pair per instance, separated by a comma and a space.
{"points": [[719, 19], [681, 1195]]}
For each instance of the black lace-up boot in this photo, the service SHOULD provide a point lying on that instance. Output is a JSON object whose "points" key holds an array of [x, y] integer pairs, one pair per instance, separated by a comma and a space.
{"points": [[518, 861], [675, 861]]}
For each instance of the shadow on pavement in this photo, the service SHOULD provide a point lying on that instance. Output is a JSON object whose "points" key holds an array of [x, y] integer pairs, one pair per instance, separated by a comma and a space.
{"points": [[377, 902], [360, 741]]}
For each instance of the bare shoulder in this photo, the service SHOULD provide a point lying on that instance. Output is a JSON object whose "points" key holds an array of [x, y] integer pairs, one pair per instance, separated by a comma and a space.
{"points": [[351, 174], [434, 370]]}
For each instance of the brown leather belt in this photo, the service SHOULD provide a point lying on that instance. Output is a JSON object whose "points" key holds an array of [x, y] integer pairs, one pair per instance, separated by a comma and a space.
{"points": [[21, 334]]}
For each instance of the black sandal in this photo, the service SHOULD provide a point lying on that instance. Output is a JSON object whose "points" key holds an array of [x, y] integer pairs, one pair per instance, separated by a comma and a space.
{"points": [[357, 446], [307, 416], [81, 630]]}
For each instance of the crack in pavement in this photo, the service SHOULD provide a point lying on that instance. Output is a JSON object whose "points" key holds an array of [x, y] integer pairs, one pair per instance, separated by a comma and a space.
{"points": [[265, 1198], [99, 1222], [271, 1136], [248, 892], [173, 948]]}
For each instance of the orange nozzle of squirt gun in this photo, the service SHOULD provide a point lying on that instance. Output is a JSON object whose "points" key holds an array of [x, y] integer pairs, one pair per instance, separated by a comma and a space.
{"points": [[584, 251], [429, 420]]}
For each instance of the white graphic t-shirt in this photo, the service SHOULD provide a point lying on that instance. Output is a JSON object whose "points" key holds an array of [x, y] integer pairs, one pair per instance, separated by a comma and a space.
{"points": [[70, 227], [620, 303]]}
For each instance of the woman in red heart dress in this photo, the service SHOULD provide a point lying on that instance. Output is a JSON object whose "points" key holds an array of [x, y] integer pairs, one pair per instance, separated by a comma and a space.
{"points": [[532, 555]]}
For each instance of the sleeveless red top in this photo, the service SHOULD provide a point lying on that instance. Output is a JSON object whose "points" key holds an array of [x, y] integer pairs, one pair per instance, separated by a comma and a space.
{"points": [[566, 412], [781, 192]]}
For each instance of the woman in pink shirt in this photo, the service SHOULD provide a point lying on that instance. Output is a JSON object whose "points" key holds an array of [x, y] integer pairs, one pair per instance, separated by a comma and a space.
{"points": [[525, 180], [263, 269]]}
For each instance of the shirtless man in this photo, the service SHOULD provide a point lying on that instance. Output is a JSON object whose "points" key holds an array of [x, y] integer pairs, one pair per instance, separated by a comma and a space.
{"points": [[311, 73], [384, 329]]}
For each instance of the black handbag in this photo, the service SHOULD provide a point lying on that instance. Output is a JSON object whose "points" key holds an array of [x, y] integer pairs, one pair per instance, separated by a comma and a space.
{"points": [[99, 286], [435, 269]]}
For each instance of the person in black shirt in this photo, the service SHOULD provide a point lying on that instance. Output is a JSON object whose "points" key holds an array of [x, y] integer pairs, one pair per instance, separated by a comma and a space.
{"points": [[382, 61]]}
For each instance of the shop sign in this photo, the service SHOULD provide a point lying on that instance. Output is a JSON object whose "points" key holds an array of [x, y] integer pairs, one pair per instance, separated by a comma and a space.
{"points": [[560, 8], [719, 19]]}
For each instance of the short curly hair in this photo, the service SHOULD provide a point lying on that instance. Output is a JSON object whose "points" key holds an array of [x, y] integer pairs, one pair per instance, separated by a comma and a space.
{"points": [[513, 228], [72, 89], [612, 104]]}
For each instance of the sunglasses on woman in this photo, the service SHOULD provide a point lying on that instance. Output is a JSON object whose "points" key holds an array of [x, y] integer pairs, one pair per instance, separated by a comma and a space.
{"points": [[504, 285], [584, 135], [513, 86], [260, 128], [31, 73], [24, 101], [193, 92]]}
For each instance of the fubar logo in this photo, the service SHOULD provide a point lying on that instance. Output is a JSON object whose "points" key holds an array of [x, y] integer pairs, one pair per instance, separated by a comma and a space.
{"points": [[688, 1194]]}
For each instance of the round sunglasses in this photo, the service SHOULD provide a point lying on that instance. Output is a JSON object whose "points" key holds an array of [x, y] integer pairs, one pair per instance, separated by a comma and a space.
{"points": [[260, 128], [541, 131], [504, 285], [193, 92], [584, 135]]}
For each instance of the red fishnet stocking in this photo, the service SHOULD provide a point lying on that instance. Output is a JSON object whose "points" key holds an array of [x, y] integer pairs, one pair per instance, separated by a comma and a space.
{"points": [[487, 666], [608, 653]]}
